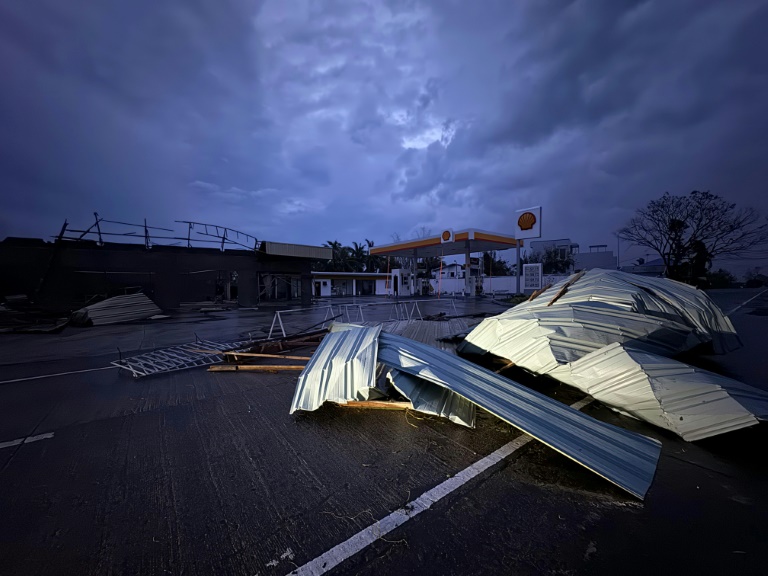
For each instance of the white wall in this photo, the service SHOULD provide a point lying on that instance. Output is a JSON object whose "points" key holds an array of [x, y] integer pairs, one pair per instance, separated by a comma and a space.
{"points": [[325, 286], [381, 287], [495, 284]]}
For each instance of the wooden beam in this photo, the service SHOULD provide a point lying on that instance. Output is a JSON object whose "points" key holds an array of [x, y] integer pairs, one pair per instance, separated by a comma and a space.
{"points": [[507, 365], [539, 292], [258, 355], [565, 286], [251, 368], [378, 405]]}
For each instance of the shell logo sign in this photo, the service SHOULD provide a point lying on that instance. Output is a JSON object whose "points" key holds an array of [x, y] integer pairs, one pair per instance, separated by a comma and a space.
{"points": [[526, 220], [446, 236], [528, 224]]}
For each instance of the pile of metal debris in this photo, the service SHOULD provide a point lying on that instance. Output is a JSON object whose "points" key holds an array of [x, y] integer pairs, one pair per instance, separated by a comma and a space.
{"points": [[612, 335], [344, 370]]}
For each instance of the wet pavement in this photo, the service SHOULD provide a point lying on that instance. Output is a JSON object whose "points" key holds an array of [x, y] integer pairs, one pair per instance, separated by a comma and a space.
{"points": [[207, 473]]}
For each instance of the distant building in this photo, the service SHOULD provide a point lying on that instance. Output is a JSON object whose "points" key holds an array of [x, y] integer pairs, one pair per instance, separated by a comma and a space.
{"points": [[455, 270], [650, 268], [564, 246], [598, 256]]}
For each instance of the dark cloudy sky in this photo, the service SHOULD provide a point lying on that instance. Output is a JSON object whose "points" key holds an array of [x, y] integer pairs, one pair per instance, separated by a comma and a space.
{"points": [[306, 121]]}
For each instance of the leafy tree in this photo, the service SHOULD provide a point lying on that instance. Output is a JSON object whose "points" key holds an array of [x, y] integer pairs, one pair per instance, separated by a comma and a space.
{"points": [[341, 259], [358, 255], [553, 260], [494, 266], [720, 279], [688, 232], [374, 263]]}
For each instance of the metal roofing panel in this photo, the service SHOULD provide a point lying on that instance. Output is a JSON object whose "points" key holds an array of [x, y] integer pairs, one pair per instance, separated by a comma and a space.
{"points": [[430, 398], [117, 309], [542, 339], [342, 368], [425, 396], [622, 457], [658, 297], [691, 402]]}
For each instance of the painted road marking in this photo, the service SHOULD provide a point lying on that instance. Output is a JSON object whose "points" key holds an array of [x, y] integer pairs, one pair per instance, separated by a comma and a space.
{"points": [[747, 302], [369, 535], [27, 440], [59, 374]]}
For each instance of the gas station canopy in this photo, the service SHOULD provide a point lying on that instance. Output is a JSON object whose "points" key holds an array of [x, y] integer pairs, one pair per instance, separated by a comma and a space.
{"points": [[449, 243]]}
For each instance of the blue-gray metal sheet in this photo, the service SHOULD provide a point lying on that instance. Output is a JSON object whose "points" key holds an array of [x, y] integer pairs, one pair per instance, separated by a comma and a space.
{"points": [[691, 402], [429, 398], [622, 457], [343, 368]]}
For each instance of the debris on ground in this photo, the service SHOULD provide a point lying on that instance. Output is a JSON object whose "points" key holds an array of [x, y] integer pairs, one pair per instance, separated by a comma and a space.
{"points": [[115, 310], [238, 355], [691, 402], [611, 334], [344, 368]]}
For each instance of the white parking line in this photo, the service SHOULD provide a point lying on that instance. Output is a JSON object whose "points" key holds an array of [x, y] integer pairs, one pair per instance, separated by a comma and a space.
{"points": [[59, 374], [26, 440], [369, 535], [747, 302]]}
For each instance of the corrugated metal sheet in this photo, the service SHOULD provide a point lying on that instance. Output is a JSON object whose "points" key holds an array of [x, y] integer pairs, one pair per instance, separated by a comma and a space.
{"points": [[343, 368], [622, 457], [657, 297], [116, 310], [425, 396], [691, 402], [432, 399], [542, 339], [654, 316], [297, 250]]}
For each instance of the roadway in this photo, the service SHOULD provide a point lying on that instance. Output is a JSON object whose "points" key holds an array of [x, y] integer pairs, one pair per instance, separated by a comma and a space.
{"points": [[201, 473]]}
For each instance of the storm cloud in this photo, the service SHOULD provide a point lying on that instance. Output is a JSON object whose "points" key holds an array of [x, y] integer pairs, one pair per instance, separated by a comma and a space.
{"points": [[305, 121]]}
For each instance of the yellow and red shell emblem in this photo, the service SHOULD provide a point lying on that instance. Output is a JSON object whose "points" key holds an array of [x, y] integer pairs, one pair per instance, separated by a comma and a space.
{"points": [[526, 221], [446, 235]]}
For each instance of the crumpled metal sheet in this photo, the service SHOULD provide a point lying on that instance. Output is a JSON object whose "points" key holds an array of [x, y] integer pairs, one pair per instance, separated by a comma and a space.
{"points": [[432, 399], [622, 457], [691, 402], [607, 308], [544, 338], [425, 397], [343, 368]]}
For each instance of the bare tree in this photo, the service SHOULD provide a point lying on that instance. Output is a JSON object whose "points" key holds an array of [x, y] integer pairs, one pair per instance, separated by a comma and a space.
{"points": [[688, 232]]}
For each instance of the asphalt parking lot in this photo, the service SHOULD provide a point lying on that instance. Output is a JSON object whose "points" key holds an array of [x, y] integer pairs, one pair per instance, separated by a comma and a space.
{"points": [[201, 472]]}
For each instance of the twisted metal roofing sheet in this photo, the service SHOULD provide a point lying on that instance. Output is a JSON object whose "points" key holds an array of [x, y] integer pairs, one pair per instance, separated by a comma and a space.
{"points": [[622, 457], [425, 396], [542, 339], [430, 398], [691, 402], [342, 368]]}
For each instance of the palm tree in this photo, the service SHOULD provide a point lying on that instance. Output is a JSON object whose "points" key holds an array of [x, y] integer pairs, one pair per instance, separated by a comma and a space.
{"points": [[358, 257], [340, 259]]}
